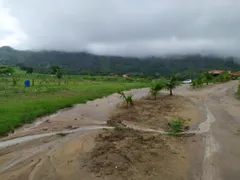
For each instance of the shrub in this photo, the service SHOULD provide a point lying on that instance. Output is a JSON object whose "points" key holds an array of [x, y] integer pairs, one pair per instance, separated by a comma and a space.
{"points": [[224, 77], [176, 126], [194, 83]]}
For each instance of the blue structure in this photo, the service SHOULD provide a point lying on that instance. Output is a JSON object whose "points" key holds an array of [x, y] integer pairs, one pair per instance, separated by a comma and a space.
{"points": [[27, 83]]}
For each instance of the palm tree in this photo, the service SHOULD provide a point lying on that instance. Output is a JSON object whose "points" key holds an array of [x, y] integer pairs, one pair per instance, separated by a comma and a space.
{"points": [[127, 98], [172, 83], [156, 87]]}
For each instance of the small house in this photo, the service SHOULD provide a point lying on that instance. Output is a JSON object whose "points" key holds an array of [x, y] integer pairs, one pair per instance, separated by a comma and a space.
{"points": [[235, 73], [216, 72], [126, 75]]}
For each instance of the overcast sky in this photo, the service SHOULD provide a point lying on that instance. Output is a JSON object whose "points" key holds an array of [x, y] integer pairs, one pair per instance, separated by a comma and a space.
{"points": [[122, 27]]}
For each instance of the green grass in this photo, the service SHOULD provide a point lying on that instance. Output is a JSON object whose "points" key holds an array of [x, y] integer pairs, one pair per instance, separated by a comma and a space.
{"points": [[19, 105]]}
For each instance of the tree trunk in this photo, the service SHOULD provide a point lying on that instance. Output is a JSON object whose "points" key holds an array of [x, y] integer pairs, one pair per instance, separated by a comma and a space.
{"points": [[171, 92]]}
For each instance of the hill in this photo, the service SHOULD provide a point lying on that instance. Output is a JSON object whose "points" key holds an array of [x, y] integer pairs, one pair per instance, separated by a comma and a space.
{"points": [[85, 63]]}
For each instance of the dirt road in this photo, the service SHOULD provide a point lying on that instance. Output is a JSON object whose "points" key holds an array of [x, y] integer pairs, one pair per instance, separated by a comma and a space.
{"points": [[221, 142], [212, 154]]}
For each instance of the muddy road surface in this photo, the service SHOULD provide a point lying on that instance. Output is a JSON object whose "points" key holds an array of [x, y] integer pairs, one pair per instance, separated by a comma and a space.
{"points": [[76, 143], [221, 157]]}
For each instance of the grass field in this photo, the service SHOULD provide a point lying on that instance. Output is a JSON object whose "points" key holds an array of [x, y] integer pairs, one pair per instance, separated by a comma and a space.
{"points": [[19, 105]]}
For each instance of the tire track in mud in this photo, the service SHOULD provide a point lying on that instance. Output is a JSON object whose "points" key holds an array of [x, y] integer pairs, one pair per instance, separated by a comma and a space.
{"points": [[35, 168], [49, 157], [210, 172], [211, 147], [24, 156]]}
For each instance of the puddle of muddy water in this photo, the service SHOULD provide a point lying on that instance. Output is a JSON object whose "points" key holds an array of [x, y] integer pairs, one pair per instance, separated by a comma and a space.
{"points": [[205, 126]]}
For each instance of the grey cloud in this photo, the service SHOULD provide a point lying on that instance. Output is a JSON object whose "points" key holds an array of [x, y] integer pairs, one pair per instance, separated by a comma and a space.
{"points": [[132, 28], [4, 33]]}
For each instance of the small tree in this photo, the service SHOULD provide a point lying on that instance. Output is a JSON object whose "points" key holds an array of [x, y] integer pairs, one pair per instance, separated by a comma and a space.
{"points": [[55, 69], [14, 81], [156, 87], [172, 83], [29, 70]]}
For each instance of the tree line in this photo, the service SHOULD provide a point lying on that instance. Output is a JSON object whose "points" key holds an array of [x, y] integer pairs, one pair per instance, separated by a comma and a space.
{"points": [[206, 78]]}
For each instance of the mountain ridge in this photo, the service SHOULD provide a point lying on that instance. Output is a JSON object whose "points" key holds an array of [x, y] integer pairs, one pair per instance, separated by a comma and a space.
{"points": [[86, 63]]}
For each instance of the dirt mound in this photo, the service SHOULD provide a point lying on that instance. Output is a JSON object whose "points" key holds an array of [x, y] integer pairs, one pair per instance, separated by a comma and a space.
{"points": [[129, 154], [156, 113]]}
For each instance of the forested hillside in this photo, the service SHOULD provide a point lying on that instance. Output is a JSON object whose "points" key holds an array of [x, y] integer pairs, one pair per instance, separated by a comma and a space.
{"points": [[85, 63]]}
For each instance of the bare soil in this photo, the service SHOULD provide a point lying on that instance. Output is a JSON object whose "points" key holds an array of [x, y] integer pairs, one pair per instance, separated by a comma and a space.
{"points": [[129, 154], [156, 113]]}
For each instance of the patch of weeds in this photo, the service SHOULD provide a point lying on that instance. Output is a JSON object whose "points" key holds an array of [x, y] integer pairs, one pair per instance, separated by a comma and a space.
{"points": [[176, 126], [237, 133], [173, 133], [173, 152], [119, 128], [62, 134], [237, 95], [122, 128]]}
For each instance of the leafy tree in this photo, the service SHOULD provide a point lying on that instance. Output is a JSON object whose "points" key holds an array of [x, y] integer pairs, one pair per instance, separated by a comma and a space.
{"points": [[199, 81], [6, 70], [29, 70], [207, 77], [55, 69], [224, 77], [156, 87], [172, 83]]}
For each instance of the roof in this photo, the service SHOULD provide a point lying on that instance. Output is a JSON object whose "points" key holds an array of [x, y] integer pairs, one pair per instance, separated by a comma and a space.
{"points": [[235, 73], [216, 71]]}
